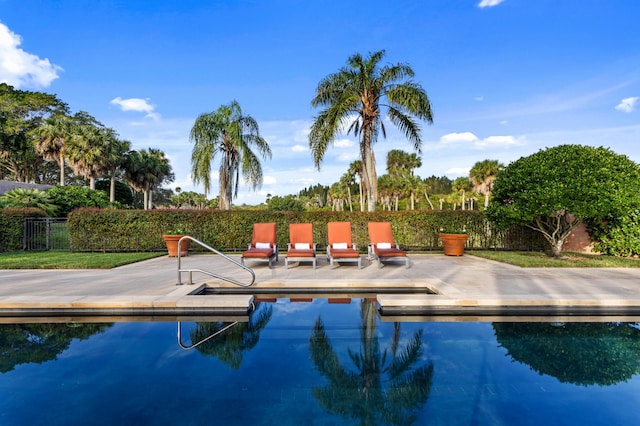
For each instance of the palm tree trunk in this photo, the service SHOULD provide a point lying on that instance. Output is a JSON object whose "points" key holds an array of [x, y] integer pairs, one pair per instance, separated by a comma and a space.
{"points": [[92, 183], [112, 187], [61, 163], [369, 166]]}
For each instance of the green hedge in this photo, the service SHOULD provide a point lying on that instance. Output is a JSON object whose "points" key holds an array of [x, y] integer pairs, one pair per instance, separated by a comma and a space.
{"points": [[12, 227], [138, 230]]}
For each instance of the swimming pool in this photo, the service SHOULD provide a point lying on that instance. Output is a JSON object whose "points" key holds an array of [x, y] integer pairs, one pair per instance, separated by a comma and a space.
{"points": [[320, 363]]}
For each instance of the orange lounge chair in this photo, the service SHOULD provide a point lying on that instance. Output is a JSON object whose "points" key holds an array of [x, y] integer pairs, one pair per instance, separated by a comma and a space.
{"points": [[382, 246], [340, 246], [263, 245], [301, 247]]}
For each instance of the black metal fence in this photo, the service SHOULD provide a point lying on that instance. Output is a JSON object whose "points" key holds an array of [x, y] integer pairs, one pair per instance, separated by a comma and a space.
{"points": [[47, 233]]}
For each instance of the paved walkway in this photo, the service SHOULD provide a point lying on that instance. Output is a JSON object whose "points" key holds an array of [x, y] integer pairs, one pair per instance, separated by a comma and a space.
{"points": [[434, 285]]}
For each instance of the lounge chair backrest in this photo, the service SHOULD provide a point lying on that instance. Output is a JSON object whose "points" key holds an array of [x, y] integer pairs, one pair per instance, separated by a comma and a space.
{"points": [[301, 233], [264, 233], [380, 232], [339, 232]]}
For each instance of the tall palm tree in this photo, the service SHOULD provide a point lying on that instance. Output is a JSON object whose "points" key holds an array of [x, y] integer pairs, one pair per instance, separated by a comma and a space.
{"points": [[146, 171], [482, 174], [86, 152], [355, 169], [359, 94], [346, 180], [462, 185], [232, 135], [51, 139], [115, 156]]}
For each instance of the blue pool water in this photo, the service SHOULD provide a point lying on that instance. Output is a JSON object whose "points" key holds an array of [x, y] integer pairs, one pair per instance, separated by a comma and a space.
{"points": [[321, 364]]}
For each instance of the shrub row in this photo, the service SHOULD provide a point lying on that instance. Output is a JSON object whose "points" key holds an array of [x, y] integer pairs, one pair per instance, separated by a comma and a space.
{"points": [[137, 230], [12, 227]]}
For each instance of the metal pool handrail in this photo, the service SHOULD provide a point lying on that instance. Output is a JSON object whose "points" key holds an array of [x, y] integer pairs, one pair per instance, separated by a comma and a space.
{"points": [[194, 345], [213, 274]]}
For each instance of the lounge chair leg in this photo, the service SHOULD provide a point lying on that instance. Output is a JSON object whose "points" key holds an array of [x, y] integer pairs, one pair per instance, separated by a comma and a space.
{"points": [[379, 263]]}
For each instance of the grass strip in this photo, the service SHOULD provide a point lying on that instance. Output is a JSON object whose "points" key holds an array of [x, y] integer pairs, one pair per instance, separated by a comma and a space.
{"points": [[531, 259], [70, 260]]}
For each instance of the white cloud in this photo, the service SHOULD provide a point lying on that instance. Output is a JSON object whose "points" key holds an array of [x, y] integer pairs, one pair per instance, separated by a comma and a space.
{"points": [[479, 98], [473, 141], [628, 104], [299, 148], [21, 69], [489, 3], [347, 157], [465, 137], [343, 143], [497, 141], [269, 180], [138, 105]]}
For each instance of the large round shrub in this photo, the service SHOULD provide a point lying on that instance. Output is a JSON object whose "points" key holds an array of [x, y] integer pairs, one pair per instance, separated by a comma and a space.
{"points": [[556, 189]]}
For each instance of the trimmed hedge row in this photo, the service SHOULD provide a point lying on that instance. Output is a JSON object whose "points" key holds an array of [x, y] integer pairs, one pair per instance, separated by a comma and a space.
{"points": [[138, 230], [12, 227]]}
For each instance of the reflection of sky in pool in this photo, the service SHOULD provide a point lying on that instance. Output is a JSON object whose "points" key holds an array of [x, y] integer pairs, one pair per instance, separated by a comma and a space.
{"points": [[278, 369]]}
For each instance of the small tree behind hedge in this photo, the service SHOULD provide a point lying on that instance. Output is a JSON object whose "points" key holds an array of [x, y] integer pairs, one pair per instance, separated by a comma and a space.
{"points": [[556, 189]]}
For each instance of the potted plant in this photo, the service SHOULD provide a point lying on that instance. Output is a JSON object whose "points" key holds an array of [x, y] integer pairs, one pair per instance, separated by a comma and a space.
{"points": [[171, 238], [453, 241]]}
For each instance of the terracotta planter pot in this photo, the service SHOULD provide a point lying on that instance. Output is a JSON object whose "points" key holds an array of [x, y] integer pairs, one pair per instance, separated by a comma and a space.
{"points": [[172, 245], [453, 243]]}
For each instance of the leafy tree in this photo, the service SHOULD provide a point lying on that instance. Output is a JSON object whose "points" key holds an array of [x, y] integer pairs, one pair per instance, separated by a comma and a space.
{"points": [[121, 191], [358, 93], [439, 185], [287, 203], [189, 199], [21, 113], [316, 196], [556, 189], [483, 174], [23, 198], [68, 198], [232, 135]]}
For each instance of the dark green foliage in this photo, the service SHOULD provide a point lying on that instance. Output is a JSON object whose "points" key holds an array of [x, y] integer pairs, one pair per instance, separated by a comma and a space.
{"points": [[68, 198], [556, 189], [619, 236], [12, 226], [580, 353], [287, 203], [137, 230], [28, 198], [123, 193], [38, 343]]}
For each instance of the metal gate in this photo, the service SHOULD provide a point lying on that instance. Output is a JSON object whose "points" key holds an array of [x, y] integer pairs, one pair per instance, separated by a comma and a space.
{"points": [[49, 233]]}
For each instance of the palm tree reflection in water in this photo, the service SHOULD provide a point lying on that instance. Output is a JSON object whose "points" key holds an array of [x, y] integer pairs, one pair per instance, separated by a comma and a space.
{"points": [[379, 390], [229, 346]]}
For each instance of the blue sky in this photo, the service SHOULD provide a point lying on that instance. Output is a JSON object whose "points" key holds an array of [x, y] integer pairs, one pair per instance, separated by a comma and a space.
{"points": [[506, 78]]}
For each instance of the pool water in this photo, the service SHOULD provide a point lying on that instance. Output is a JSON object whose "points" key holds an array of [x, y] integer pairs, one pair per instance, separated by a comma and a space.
{"points": [[320, 363]]}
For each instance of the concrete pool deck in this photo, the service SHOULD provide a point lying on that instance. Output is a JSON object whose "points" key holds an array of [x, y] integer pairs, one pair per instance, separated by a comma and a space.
{"points": [[434, 285]]}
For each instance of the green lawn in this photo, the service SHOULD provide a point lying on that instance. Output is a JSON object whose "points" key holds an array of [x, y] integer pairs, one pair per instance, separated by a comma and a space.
{"points": [[530, 259], [70, 260]]}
